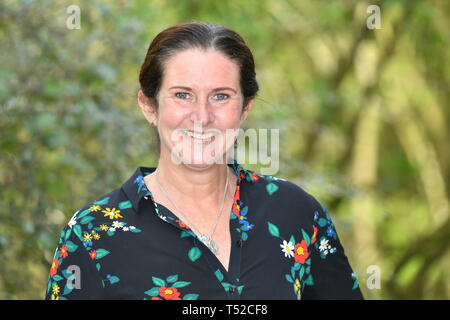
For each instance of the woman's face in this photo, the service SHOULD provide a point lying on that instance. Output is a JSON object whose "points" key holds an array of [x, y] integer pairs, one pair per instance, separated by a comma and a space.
{"points": [[200, 104]]}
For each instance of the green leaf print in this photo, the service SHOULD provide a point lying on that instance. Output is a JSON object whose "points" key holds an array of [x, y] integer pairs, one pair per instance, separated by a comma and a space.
{"points": [[153, 292], [273, 230], [219, 275], [101, 253], [159, 282], [135, 229], [240, 289], [84, 213], [71, 247], [184, 234], [271, 188], [77, 230], [57, 277], [181, 284], [194, 253], [125, 205], [86, 220], [173, 278], [306, 237], [190, 296], [309, 281], [292, 240], [302, 271], [68, 233], [289, 278], [102, 202], [322, 222], [67, 289]]}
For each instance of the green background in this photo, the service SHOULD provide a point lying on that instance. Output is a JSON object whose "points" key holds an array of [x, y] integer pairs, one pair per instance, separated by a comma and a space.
{"points": [[363, 118]]}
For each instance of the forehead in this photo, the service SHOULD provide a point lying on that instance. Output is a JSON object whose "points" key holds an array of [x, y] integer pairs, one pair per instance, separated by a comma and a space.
{"points": [[201, 68]]}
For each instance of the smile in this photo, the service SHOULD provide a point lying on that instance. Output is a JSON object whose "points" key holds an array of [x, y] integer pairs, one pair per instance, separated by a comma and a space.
{"points": [[194, 135]]}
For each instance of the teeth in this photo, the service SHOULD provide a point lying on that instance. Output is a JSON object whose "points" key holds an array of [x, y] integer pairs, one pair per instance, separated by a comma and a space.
{"points": [[198, 135]]}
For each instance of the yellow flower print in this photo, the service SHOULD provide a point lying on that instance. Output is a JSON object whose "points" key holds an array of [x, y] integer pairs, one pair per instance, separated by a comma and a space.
{"points": [[297, 287], [87, 237], [104, 227], [95, 208], [55, 289], [96, 236], [55, 297], [112, 214]]}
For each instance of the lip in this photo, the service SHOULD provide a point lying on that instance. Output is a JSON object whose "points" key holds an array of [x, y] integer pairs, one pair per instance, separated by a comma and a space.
{"points": [[190, 133]]}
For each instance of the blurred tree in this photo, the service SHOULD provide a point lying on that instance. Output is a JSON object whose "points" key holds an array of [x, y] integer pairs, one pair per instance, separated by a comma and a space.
{"points": [[363, 117]]}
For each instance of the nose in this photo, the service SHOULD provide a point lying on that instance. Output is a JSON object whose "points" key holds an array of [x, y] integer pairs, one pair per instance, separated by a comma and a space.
{"points": [[202, 114]]}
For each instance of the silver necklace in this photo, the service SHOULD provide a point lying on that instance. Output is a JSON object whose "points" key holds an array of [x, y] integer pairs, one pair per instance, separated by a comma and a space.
{"points": [[208, 241]]}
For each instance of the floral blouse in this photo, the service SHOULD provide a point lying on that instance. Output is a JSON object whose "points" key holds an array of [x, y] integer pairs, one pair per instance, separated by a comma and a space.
{"points": [[127, 246]]}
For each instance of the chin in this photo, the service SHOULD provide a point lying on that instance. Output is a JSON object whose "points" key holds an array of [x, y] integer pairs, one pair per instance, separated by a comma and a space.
{"points": [[201, 161]]}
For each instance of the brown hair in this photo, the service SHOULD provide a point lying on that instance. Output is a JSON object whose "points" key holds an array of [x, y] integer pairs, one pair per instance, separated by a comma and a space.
{"points": [[202, 35]]}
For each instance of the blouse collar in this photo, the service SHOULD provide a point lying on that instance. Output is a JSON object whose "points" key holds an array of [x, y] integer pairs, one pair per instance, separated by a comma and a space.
{"points": [[136, 190]]}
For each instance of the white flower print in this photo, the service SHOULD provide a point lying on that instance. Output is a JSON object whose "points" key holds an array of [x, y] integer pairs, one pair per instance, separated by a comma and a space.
{"points": [[162, 217], [288, 249], [117, 224], [323, 245], [72, 221]]}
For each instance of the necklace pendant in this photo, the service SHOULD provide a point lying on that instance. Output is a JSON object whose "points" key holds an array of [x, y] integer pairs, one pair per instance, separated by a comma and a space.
{"points": [[210, 243]]}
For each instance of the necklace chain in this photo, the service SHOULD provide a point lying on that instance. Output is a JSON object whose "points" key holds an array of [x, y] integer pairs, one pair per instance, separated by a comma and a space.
{"points": [[208, 241]]}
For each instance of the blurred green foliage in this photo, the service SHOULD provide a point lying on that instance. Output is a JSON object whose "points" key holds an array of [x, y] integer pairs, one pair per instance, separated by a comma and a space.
{"points": [[363, 117]]}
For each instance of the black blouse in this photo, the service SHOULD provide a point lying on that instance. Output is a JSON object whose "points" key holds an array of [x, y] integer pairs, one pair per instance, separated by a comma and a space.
{"points": [[126, 246]]}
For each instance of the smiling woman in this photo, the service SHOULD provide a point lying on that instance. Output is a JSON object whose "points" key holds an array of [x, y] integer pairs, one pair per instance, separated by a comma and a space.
{"points": [[193, 228], [209, 105]]}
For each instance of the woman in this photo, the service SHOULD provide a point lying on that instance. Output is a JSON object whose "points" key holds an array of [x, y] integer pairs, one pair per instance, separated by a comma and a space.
{"points": [[198, 227]]}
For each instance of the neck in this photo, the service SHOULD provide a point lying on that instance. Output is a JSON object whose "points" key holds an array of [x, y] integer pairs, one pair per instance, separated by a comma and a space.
{"points": [[193, 185]]}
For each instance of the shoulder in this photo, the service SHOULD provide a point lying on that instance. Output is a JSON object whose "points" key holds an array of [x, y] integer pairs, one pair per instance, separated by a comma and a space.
{"points": [[99, 213], [283, 191]]}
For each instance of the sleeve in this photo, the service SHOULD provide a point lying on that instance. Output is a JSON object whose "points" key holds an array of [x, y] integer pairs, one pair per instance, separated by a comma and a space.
{"points": [[73, 274], [332, 277]]}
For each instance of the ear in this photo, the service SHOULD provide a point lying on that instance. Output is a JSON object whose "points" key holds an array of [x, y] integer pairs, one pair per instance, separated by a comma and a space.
{"points": [[148, 108], [247, 109]]}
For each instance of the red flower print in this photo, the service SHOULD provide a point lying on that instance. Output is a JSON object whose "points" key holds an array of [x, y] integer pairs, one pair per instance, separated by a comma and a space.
{"points": [[236, 202], [314, 235], [54, 267], [63, 252], [181, 224], [301, 252], [255, 177], [155, 298], [169, 293], [93, 254]]}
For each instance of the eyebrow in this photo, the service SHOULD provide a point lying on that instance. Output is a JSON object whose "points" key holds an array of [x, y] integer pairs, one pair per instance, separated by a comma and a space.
{"points": [[214, 90]]}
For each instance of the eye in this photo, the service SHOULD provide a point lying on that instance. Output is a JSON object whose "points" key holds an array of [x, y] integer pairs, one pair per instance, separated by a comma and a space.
{"points": [[222, 96], [182, 95]]}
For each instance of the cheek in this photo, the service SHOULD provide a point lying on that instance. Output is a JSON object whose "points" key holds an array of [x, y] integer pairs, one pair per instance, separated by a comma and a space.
{"points": [[229, 118], [172, 116]]}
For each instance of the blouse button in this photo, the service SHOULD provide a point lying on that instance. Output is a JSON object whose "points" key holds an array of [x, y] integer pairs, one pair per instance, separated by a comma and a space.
{"points": [[231, 289], [239, 243]]}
